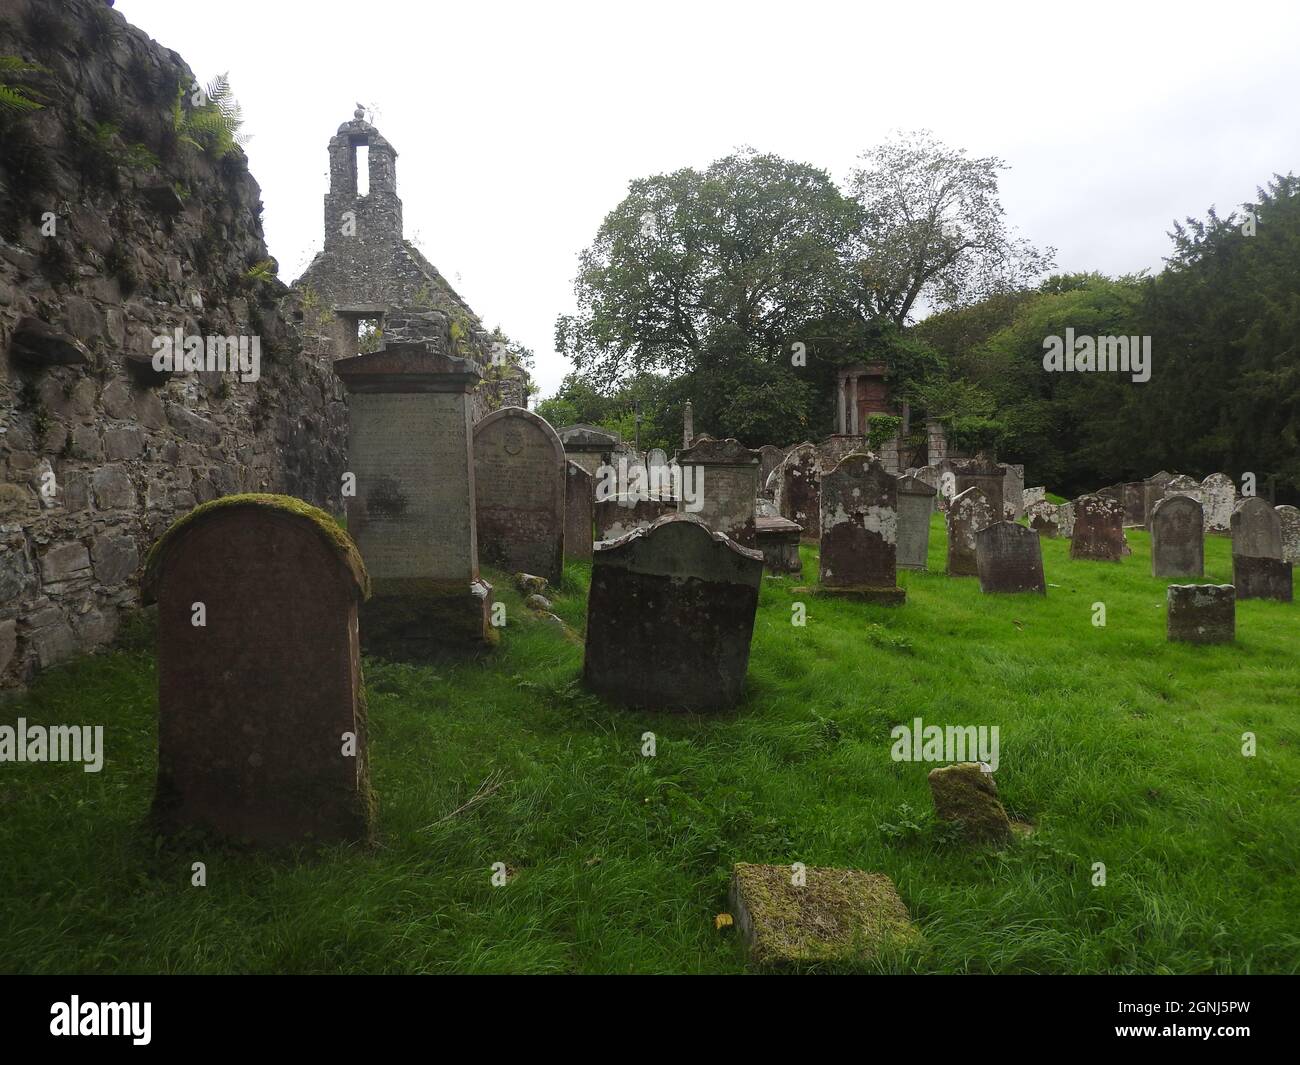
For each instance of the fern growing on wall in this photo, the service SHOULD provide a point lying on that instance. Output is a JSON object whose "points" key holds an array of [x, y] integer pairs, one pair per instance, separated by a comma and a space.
{"points": [[212, 124], [18, 99]]}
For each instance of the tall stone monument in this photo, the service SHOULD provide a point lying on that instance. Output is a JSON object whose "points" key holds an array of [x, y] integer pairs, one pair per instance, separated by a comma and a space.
{"points": [[579, 503], [411, 451], [725, 476], [798, 481]]}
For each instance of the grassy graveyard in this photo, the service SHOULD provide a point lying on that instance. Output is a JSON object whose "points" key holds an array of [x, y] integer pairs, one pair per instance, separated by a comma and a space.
{"points": [[1117, 746]]}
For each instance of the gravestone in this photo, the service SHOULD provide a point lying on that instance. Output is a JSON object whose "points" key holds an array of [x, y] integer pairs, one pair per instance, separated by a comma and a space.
{"points": [[1178, 538], [984, 475], [915, 505], [968, 513], [1258, 569], [1201, 613], [1098, 533], [835, 448], [1013, 492], [966, 797], [1219, 496], [1182, 485], [1154, 491], [662, 474], [798, 481], [833, 915], [1009, 558], [620, 515], [670, 616], [590, 447], [778, 539], [579, 501], [770, 458], [1065, 519], [1044, 518], [410, 447], [726, 479], [1289, 516], [859, 531], [1134, 497], [261, 717], [1033, 495], [931, 475], [519, 487]]}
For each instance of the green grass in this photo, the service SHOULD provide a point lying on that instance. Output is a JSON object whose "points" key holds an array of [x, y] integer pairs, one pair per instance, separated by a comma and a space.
{"points": [[1120, 747]]}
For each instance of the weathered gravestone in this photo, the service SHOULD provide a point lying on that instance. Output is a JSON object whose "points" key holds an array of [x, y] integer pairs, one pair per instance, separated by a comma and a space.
{"points": [[579, 501], [1133, 494], [1009, 558], [1258, 569], [519, 486], [770, 458], [984, 475], [915, 505], [1013, 492], [778, 539], [831, 915], [670, 616], [835, 448], [798, 481], [410, 447], [262, 720], [589, 446], [725, 476], [1201, 613], [1065, 519], [620, 514], [1178, 538], [966, 797], [1044, 518], [859, 531], [1033, 495], [1182, 485], [933, 476], [1219, 496], [968, 513], [1098, 529], [1154, 491], [1289, 516]]}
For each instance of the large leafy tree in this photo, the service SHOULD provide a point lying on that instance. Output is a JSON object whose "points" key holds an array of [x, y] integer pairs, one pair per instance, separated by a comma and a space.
{"points": [[934, 232]]}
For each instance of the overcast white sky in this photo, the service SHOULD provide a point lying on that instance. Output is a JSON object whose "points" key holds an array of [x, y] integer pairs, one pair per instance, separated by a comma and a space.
{"points": [[519, 125]]}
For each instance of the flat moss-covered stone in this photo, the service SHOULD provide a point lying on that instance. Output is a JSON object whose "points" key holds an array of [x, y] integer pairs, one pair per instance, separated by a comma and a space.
{"points": [[836, 915]]}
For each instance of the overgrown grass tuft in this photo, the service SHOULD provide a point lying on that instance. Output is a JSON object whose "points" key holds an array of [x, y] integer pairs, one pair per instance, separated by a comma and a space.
{"points": [[1119, 747]]}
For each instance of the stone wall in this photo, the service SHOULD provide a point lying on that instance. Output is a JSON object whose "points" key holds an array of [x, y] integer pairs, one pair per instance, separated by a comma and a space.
{"points": [[113, 232]]}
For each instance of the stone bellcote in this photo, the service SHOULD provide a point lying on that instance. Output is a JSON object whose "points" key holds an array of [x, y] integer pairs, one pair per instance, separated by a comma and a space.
{"points": [[376, 216]]}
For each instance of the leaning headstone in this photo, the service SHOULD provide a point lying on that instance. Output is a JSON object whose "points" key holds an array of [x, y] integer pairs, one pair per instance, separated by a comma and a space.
{"points": [[915, 505], [1178, 538], [262, 720], [1289, 516], [1219, 496], [770, 458], [778, 539], [859, 531], [984, 475], [579, 501], [968, 513], [1098, 529], [411, 449], [519, 487], [829, 915], [1044, 518], [1134, 497], [670, 616], [1201, 613], [725, 483], [965, 795], [1258, 569], [932, 476], [1009, 558], [798, 481], [1013, 492]]}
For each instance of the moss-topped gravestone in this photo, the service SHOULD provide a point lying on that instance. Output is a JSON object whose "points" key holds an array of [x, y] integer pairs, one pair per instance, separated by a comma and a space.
{"points": [[791, 916], [262, 723]]}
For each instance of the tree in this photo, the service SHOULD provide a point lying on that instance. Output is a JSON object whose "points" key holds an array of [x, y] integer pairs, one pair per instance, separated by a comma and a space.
{"points": [[933, 230]]}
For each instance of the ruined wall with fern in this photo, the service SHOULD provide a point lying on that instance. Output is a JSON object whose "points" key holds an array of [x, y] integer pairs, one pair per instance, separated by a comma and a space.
{"points": [[126, 212]]}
